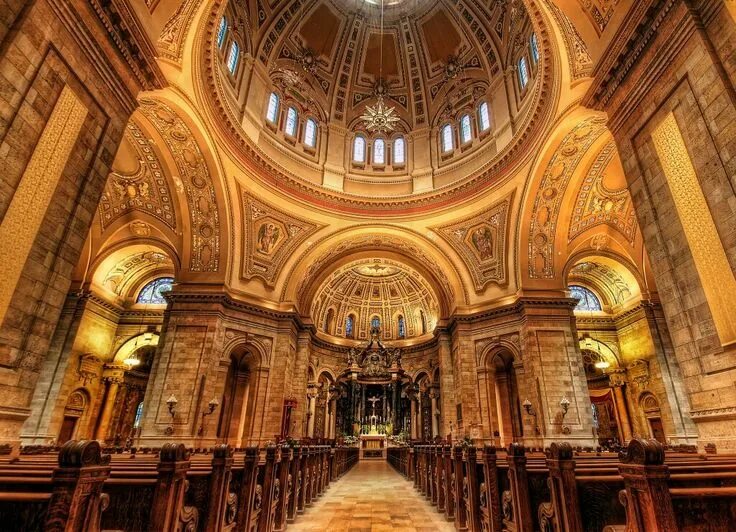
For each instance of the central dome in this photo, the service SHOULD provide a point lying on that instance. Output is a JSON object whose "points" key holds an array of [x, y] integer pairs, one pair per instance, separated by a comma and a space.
{"points": [[358, 105]]}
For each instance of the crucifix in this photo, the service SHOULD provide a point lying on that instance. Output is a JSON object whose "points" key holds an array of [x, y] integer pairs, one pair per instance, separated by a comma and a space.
{"points": [[373, 401]]}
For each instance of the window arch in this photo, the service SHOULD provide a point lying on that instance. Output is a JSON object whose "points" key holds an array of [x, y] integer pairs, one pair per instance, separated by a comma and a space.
{"points": [[221, 32], [399, 151], [328, 320], [466, 131], [401, 327], [484, 116], [359, 149], [349, 327], [138, 416], [310, 133], [379, 151], [523, 71], [233, 57], [446, 136], [587, 300], [152, 293], [272, 112], [535, 47], [291, 122]]}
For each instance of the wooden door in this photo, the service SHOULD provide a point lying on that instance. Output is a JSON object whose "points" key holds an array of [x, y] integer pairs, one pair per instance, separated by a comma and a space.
{"points": [[655, 423], [67, 429]]}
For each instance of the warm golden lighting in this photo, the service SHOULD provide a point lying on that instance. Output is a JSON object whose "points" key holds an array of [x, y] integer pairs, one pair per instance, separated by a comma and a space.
{"points": [[705, 245]]}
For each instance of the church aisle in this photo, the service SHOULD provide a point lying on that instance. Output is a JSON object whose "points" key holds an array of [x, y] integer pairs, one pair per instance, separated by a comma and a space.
{"points": [[369, 498]]}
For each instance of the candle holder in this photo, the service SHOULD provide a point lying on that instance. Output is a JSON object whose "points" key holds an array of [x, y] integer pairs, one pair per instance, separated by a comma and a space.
{"points": [[211, 406], [529, 409], [171, 403], [564, 407]]}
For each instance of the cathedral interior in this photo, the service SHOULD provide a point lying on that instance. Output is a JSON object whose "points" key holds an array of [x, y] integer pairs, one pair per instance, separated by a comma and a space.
{"points": [[393, 226]]}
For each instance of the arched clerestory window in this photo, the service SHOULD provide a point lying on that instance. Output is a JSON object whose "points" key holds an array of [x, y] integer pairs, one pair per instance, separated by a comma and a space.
{"points": [[523, 72], [399, 151], [484, 116], [310, 133], [272, 112], [466, 131], [379, 151], [359, 149], [446, 138], [401, 327], [152, 293], [292, 118], [221, 32], [349, 327], [233, 57]]}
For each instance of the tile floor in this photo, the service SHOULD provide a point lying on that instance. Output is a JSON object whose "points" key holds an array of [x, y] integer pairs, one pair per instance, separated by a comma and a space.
{"points": [[371, 497]]}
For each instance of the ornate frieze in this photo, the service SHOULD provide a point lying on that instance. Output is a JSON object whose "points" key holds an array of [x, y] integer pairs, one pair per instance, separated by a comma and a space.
{"points": [[551, 191], [480, 240], [597, 205], [579, 60], [196, 182], [145, 189], [270, 236], [170, 42]]}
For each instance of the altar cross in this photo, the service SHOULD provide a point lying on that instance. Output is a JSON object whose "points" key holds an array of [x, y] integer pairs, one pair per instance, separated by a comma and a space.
{"points": [[373, 401]]}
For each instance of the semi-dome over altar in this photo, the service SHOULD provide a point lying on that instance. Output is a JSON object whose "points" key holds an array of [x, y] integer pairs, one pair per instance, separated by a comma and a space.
{"points": [[375, 295], [359, 101]]}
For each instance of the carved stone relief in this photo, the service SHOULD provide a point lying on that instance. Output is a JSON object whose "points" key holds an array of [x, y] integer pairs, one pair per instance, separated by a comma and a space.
{"points": [[551, 191], [597, 205], [170, 42], [196, 183], [270, 236], [581, 64], [481, 242], [144, 190]]}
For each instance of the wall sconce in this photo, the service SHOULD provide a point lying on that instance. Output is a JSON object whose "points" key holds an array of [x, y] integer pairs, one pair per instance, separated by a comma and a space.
{"points": [[211, 406], [565, 406], [529, 409], [171, 402]]}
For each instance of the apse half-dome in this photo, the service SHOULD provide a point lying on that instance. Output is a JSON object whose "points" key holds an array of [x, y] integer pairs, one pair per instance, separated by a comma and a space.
{"points": [[372, 293], [296, 85]]}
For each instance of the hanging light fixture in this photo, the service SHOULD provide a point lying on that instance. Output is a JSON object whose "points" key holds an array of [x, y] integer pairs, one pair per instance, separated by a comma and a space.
{"points": [[380, 118]]}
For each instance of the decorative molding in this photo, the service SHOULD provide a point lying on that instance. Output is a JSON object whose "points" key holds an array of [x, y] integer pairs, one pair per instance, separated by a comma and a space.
{"points": [[269, 238], [170, 42], [481, 242], [196, 181], [144, 190], [131, 41], [578, 58], [547, 204]]}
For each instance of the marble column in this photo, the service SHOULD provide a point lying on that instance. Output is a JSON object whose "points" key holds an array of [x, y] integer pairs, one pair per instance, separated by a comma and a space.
{"points": [[433, 395], [413, 418], [311, 409], [113, 376], [617, 383]]}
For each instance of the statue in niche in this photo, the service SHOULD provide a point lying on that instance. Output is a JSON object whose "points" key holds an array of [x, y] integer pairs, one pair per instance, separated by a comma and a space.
{"points": [[268, 235], [483, 242]]}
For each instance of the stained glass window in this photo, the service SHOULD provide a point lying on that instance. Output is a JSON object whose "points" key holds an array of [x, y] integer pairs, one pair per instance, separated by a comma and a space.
{"points": [[375, 322], [359, 149], [233, 57], [466, 133], [399, 151], [272, 113], [484, 116], [349, 327], [523, 71], [535, 48], [290, 126], [379, 151], [221, 32], [138, 415], [152, 293], [310, 133], [587, 300], [447, 138], [402, 327]]}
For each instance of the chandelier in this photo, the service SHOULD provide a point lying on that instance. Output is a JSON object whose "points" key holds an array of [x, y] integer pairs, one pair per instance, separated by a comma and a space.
{"points": [[380, 118]]}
